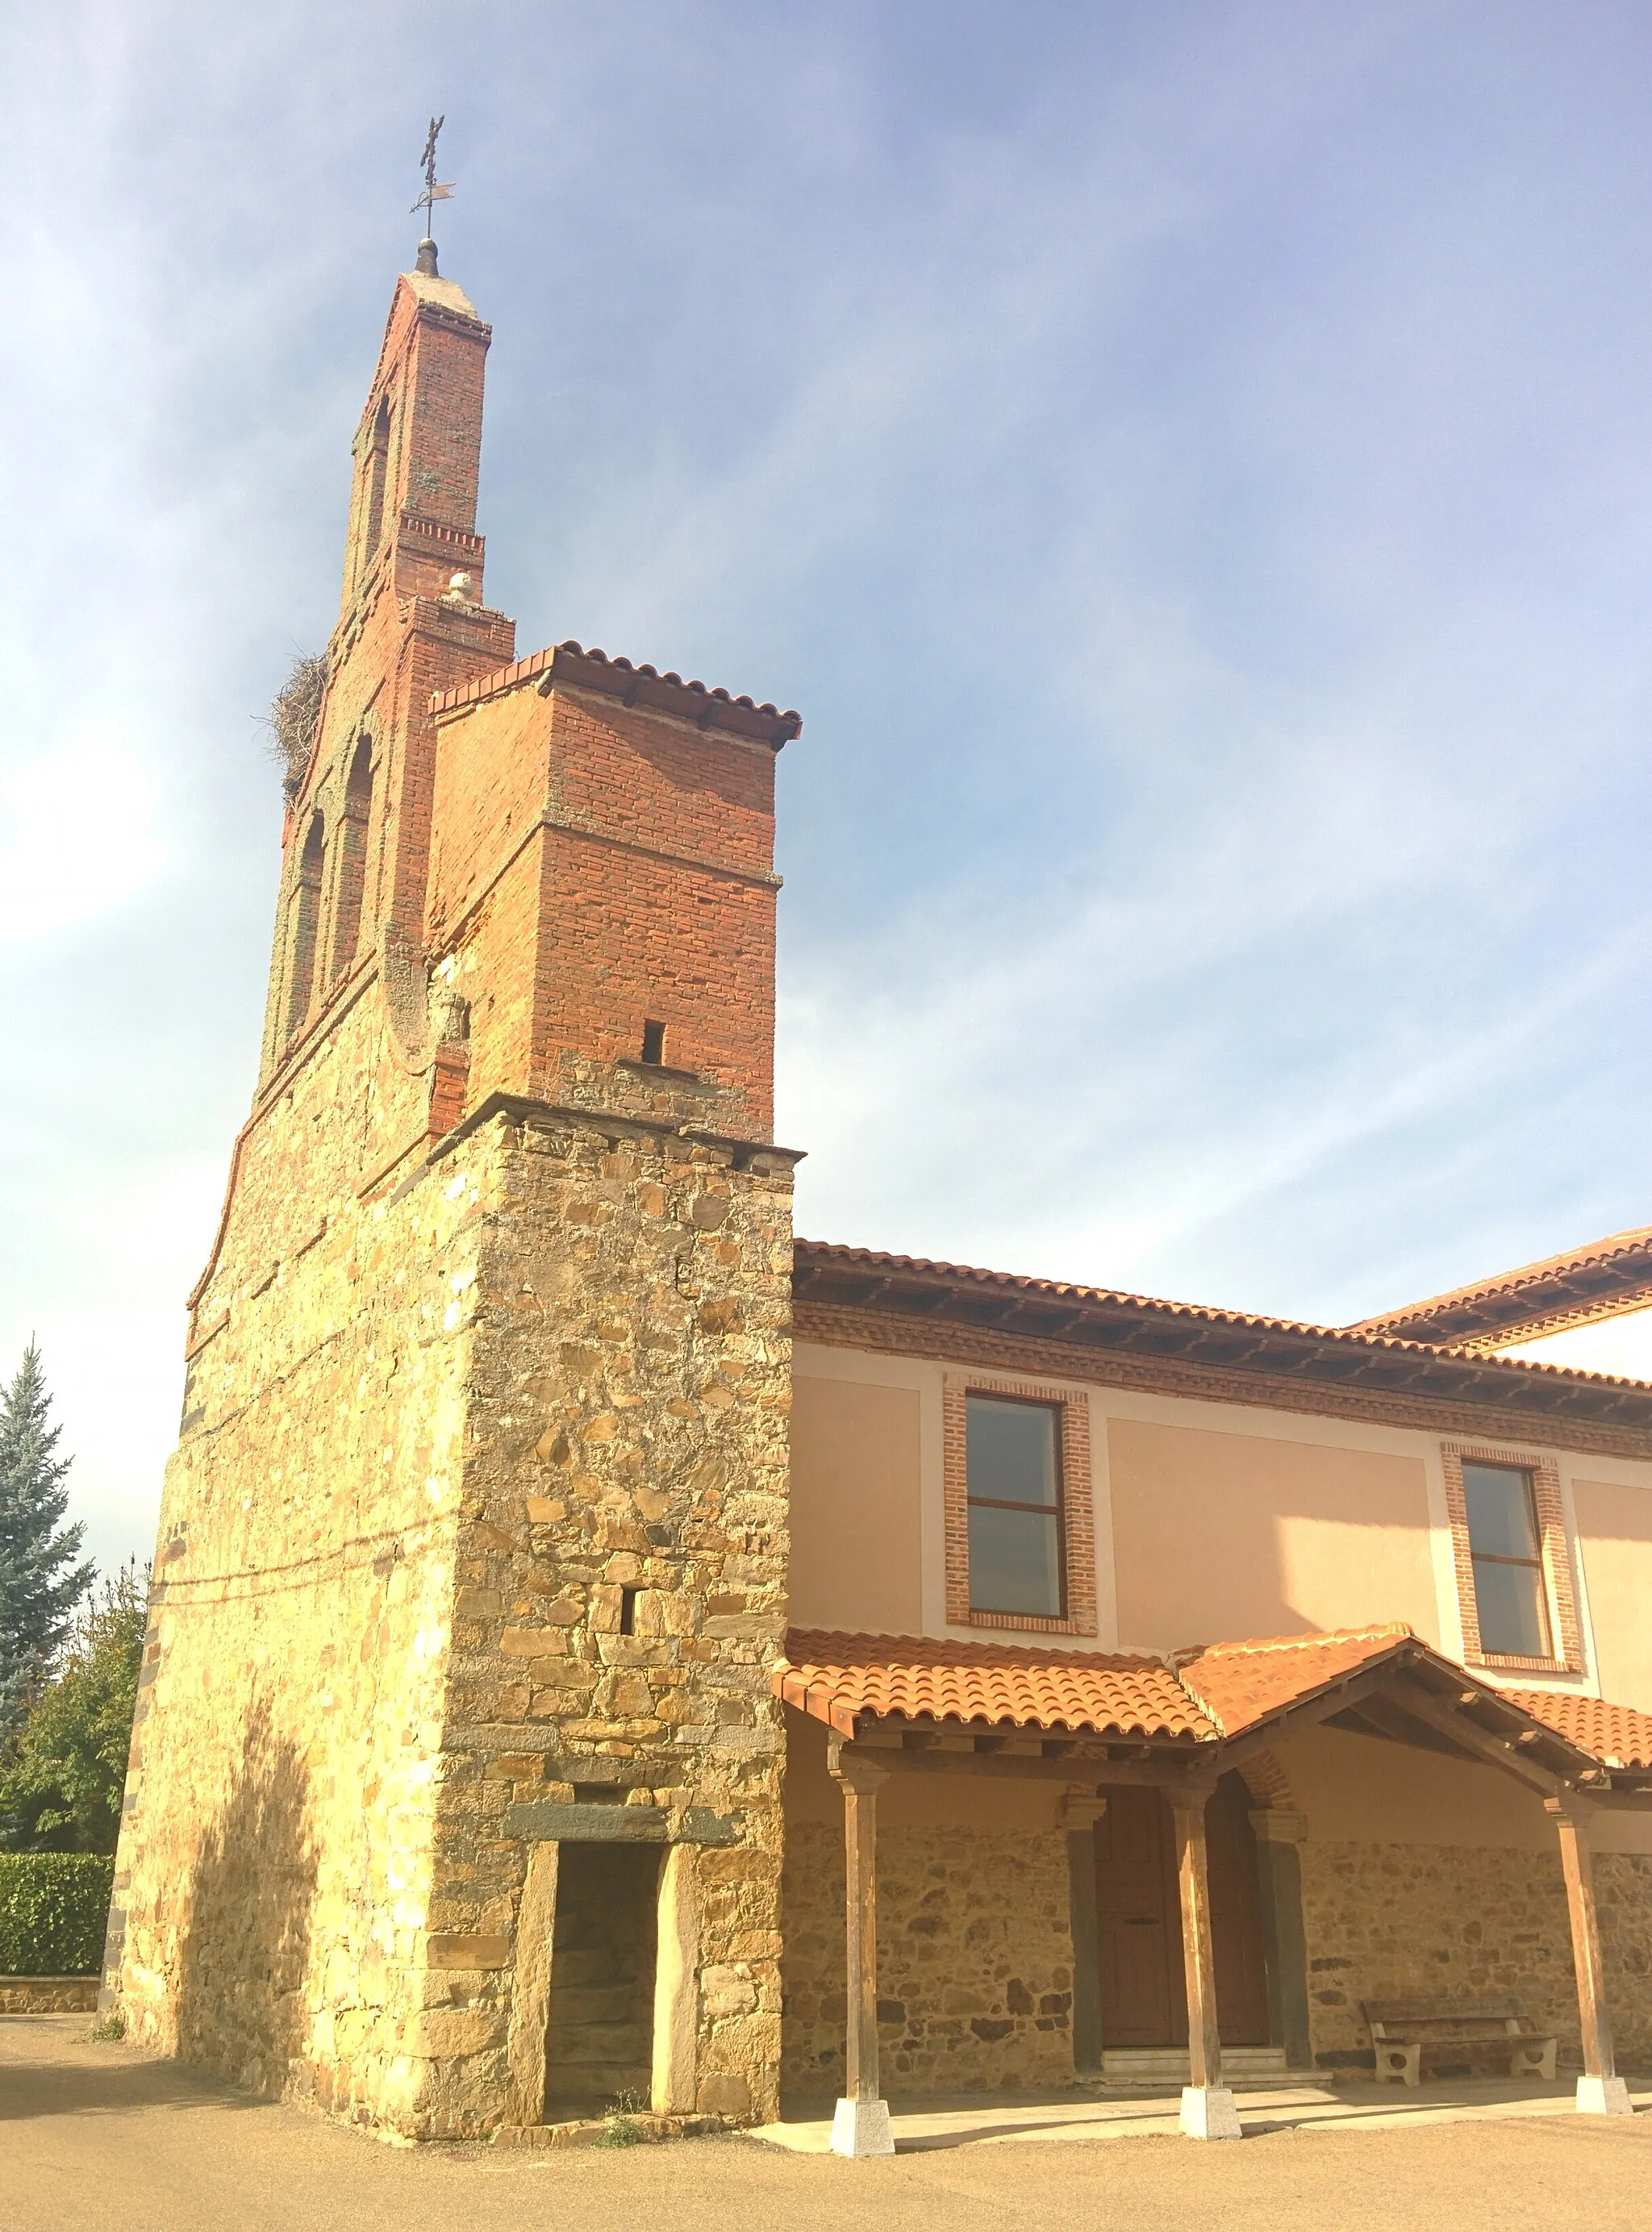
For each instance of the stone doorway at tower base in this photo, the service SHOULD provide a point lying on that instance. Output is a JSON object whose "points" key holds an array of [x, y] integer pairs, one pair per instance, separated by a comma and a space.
{"points": [[1110, 2111]]}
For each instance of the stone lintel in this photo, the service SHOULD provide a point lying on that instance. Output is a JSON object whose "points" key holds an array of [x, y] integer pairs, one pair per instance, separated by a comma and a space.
{"points": [[615, 1825]]}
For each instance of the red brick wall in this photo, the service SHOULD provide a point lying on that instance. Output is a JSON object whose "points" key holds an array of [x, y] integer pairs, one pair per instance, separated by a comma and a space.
{"points": [[595, 867]]}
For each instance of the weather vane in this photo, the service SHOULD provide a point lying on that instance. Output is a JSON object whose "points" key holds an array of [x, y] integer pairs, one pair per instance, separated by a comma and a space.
{"points": [[432, 194]]}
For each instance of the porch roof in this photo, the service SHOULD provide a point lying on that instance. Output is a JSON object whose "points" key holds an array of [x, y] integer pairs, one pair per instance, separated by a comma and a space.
{"points": [[1210, 1695]]}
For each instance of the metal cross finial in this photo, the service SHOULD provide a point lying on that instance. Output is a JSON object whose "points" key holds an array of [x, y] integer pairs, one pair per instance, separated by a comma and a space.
{"points": [[433, 193]]}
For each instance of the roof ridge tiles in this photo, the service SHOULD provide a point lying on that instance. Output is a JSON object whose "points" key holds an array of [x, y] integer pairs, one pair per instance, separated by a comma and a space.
{"points": [[1315, 1638]]}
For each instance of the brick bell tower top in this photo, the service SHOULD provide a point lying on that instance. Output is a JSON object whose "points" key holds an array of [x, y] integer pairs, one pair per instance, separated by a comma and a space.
{"points": [[418, 447], [548, 878]]}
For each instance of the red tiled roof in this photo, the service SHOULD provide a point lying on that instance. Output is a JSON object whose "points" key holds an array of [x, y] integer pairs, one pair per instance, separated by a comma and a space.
{"points": [[833, 1676], [1112, 1320], [1617, 1735], [1598, 1277], [645, 685], [1205, 1695], [1241, 1683]]}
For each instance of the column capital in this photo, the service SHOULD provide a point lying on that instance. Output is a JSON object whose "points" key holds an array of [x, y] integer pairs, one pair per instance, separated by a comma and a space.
{"points": [[1082, 1809], [853, 1770], [1573, 1806], [1274, 1825], [1190, 1794]]}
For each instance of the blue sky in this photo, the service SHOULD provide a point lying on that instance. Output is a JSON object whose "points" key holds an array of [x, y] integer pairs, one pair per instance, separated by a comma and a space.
{"points": [[1190, 463]]}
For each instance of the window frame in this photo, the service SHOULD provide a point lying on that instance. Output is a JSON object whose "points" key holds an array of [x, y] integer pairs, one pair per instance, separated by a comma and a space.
{"points": [[1075, 1525], [1055, 1513], [1533, 1565], [1558, 1593]]}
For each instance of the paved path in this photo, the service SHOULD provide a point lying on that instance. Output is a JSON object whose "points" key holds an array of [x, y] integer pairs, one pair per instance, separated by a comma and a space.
{"points": [[1263, 2109], [98, 2138]]}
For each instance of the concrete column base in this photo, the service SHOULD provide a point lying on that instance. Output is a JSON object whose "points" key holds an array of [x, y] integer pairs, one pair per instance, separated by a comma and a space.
{"points": [[1603, 2096], [1207, 2112], [860, 2128]]}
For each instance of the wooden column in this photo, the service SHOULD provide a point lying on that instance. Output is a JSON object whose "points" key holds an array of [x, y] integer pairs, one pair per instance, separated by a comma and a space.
{"points": [[1601, 2091], [1284, 1942], [1080, 1813], [860, 2125], [1208, 2111]]}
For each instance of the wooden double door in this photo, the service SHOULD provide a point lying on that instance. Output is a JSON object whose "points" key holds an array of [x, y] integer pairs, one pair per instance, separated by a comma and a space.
{"points": [[1139, 1920]]}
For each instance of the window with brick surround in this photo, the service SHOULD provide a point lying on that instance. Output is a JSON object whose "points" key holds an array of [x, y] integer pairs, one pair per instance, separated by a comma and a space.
{"points": [[1505, 1551], [1514, 1567], [304, 920], [352, 833], [1020, 1547], [1011, 1455]]}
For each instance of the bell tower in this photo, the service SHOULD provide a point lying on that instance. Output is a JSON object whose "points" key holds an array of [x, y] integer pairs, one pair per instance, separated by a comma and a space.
{"points": [[418, 447], [473, 1551]]}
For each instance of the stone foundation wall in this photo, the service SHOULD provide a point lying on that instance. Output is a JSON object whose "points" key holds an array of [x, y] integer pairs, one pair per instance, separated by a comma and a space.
{"points": [[481, 1499], [622, 1568], [1623, 1896], [272, 1881], [974, 1959], [48, 1995], [1438, 1921]]}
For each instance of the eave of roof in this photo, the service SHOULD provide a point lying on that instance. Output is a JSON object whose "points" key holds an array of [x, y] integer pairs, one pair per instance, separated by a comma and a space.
{"points": [[577, 668], [1106, 1320], [1207, 1697], [1612, 1273]]}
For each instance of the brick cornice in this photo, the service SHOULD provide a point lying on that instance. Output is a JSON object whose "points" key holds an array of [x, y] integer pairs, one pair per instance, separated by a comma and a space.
{"points": [[837, 1325]]}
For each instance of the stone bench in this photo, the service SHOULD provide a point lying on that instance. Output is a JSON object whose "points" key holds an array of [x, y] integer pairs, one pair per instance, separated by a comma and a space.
{"points": [[1401, 2029]]}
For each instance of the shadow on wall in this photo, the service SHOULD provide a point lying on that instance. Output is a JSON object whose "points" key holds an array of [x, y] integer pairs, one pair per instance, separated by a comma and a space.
{"points": [[246, 1934]]}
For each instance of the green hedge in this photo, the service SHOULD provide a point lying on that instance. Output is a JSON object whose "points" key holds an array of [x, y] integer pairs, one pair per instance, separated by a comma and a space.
{"points": [[54, 1909]]}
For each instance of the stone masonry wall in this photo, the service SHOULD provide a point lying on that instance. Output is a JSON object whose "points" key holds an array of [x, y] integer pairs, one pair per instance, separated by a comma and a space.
{"points": [[1438, 1921], [628, 1432], [974, 1959], [272, 1881]]}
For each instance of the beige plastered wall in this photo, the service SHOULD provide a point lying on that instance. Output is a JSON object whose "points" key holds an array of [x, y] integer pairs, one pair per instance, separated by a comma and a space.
{"points": [[1614, 1527], [1211, 1520]]}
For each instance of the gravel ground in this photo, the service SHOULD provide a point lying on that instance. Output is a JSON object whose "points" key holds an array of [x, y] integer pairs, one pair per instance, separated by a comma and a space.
{"points": [[98, 2136]]}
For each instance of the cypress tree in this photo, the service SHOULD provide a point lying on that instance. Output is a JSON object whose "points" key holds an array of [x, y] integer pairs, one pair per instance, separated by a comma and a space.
{"points": [[40, 1582]]}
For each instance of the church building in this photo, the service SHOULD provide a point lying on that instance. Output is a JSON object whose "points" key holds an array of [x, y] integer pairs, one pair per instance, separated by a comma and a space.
{"points": [[605, 1650]]}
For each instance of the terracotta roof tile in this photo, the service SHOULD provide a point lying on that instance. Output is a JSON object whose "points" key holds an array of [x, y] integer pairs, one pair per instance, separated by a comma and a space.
{"points": [[1217, 1691], [1617, 1735], [1360, 1355], [833, 1676], [594, 669], [1241, 1683], [1598, 1278]]}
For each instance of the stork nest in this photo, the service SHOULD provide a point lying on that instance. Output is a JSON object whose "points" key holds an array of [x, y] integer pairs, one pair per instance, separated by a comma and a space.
{"points": [[294, 711]]}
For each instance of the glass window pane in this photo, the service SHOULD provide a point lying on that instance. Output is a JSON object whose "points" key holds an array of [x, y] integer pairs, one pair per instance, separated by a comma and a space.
{"points": [[1501, 1521], [1014, 1564], [1509, 1599], [1012, 1450]]}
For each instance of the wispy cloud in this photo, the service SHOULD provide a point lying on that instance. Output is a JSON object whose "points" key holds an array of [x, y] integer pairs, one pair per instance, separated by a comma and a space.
{"points": [[1190, 469]]}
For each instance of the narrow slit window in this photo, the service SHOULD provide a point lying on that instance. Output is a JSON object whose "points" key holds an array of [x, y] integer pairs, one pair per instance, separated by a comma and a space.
{"points": [[352, 830], [305, 918], [628, 1611], [1505, 1547], [1017, 1560], [653, 1042]]}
